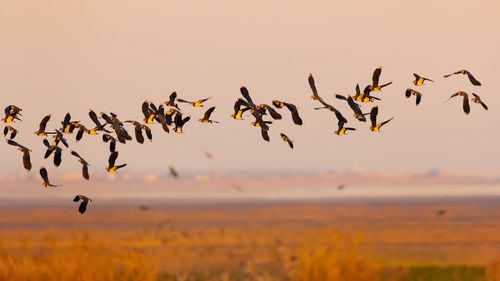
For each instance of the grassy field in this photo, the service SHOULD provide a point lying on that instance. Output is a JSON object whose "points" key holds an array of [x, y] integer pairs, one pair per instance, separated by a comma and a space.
{"points": [[272, 241]]}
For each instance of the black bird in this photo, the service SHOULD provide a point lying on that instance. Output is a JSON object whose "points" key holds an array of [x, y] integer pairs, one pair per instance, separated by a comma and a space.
{"points": [[375, 87], [98, 125], [465, 72], [45, 178], [409, 92], [343, 130], [26, 154], [285, 138], [312, 84], [43, 125], [358, 114], [11, 112], [111, 163], [12, 130], [246, 95], [293, 110], [373, 118], [419, 81], [138, 131], [206, 116], [59, 137], [85, 165], [238, 111], [171, 100], [179, 122], [465, 105], [149, 114], [198, 103], [53, 149], [83, 205], [475, 99], [111, 140]]}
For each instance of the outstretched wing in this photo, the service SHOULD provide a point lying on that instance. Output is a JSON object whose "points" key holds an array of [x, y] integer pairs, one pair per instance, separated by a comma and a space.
{"points": [[312, 84], [244, 92], [207, 114], [112, 158], [466, 105], [373, 116], [473, 80], [376, 75], [44, 175]]}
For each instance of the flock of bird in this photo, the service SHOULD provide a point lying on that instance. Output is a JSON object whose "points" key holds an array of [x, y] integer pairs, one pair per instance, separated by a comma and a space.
{"points": [[114, 131]]}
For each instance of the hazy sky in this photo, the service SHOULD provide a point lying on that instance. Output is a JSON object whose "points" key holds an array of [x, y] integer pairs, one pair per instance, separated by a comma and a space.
{"points": [[68, 56]]}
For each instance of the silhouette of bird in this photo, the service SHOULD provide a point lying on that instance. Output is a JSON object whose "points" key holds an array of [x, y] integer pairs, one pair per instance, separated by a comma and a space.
{"points": [[26, 153], [375, 87], [293, 110], [138, 131], [373, 118], [53, 149], [358, 114], [206, 116], [171, 100], [419, 81], [477, 99], [238, 111], [83, 205], [410, 92], [198, 103], [12, 130], [179, 122], [285, 138], [43, 125], [85, 165], [111, 140], [11, 112], [465, 105], [45, 178], [111, 163], [465, 72], [173, 172], [312, 84]]}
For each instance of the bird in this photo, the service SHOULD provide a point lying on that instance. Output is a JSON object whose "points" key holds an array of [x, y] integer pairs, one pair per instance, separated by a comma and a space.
{"points": [[285, 138], [179, 122], [343, 130], [171, 100], [465, 105], [265, 134], [206, 116], [293, 110], [375, 87], [111, 163], [465, 72], [83, 205], [26, 153], [11, 112], [244, 92], [312, 84], [98, 125], [173, 172], [68, 126], [238, 111], [45, 178], [59, 137], [274, 114], [12, 130], [419, 81], [410, 92], [53, 149], [475, 99], [111, 140], [42, 126], [198, 103], [259, 122], [149, 135], [85, 165], [373, 117], [138, 131], [358, 114]]}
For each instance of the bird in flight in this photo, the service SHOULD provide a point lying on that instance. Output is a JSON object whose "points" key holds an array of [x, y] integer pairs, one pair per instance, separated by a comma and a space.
{"points": [[26, 153], [11, 113], [375, 87], [477, 99], [409, 92], [111, 163], [83, 205], [465, 104], [465, 72], [419, 81], [12, 130], [45, 178], [198, 103], [85, 165], [312, 84], [285, 138], [42, 126], [206, 116], [373, 118]]}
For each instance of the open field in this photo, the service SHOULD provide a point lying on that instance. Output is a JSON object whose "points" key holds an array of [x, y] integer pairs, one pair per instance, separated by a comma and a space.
{"points": [[347, 240]]}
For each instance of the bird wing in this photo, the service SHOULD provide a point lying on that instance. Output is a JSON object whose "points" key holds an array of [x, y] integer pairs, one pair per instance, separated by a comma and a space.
{"points": [[466, 105], [312, 84], [408, 92], [145, 110], [419, 98], [358, 90], [244, 92], [265, 134], [373, 116], [43, 123], [26, 159], [274, 114], [112, 158], [93, 117], [207, 114], [376, 75], [472, 79], [44, 175]]}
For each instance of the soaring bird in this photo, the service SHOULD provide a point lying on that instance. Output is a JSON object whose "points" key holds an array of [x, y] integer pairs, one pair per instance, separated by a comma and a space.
{"points": [[43, 125], [26, 154], [53, 149], [179, 122], [111, 140], [358, 114], [12, 130], [373, 117], [138, 131], [465, 72], [98, 125], [198, 103], [238, 111], [171, 100], [475, 99], [293, 110], [285, 138], [315, 95], [465, 105], [111, 163], [206, 116], [410, 92], [83, 205], [173, 172], [375, 87], [85, 165], [45, 178], [11, 112], [419, 81]]}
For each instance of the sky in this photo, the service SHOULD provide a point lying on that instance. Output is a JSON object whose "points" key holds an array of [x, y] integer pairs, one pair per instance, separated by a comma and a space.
{"points": [[68, 56]]}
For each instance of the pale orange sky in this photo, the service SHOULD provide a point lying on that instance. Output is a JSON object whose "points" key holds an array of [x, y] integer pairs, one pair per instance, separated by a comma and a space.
{"points": [[60, 56]]}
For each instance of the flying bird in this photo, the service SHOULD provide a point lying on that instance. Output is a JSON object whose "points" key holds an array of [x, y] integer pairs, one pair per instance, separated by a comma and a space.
{"points": [[83, 205], [179, 122], [238, 111], [477, 99], [42, 126], [111, 140], [373, 118], [206, 116], [409, 92], [85, 165], [375, 87], [419, 81], [285, 138], [358, 114], [465, 105], [171, 100], [173, 172], [45, 178], [293, 110], [198, 103], [12, 130], [26, 153], [138, 131], [53, 149], [315, 95], [465, 72], [111, 163], [11, 112]]}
